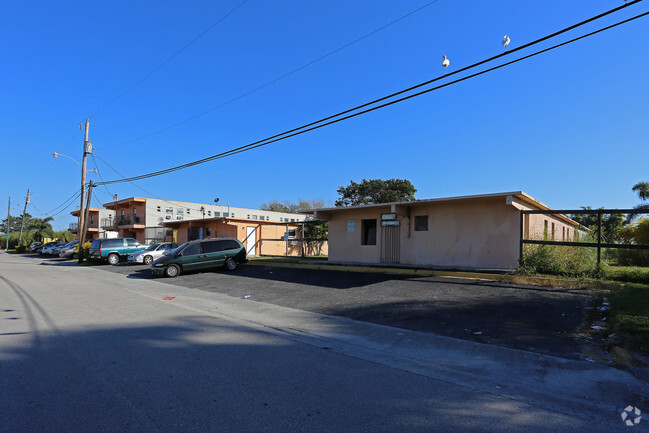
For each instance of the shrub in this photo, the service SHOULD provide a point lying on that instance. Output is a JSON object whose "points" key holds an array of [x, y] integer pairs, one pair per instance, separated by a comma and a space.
{"points": [[560, 260]]}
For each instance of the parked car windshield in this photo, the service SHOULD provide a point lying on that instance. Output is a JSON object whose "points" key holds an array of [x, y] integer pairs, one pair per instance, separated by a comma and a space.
{"points": [[152, 247]]}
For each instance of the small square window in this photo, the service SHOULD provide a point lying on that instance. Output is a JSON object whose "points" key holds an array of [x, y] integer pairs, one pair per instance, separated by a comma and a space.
{"points": [[216, 214], [254, 217], [421, 223]]}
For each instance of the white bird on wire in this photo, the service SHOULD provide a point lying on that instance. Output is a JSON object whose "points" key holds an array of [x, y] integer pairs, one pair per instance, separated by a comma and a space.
{"points": [[445, 63], [506, 42]]}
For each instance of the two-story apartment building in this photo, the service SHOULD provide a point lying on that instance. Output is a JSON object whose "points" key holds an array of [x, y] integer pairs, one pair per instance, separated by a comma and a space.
{"points": [[95, 216], [143, 218]]}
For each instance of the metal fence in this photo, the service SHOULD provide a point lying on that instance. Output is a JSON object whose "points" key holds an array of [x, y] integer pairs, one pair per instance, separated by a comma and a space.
{"points": [[576, 243], [306, 239]]}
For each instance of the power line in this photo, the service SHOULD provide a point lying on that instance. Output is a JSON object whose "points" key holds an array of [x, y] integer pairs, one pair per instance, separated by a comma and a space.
{"points": [[328, 120], [170, 58], [177, 204], [281, 77]]}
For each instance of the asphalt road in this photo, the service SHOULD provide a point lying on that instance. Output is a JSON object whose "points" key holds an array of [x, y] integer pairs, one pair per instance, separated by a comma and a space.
{"points": [[85, 350], [539, 319]]}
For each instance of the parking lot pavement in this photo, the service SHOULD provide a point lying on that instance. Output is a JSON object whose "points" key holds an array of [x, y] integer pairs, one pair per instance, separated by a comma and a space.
{"points": [[539, 319]]}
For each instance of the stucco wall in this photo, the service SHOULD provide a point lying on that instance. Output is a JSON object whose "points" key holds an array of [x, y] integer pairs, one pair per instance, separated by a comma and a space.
{"points": [[462, 234]]}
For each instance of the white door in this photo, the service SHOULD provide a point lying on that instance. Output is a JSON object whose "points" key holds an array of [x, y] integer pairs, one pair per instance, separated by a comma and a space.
{"points": [[251, 241]]}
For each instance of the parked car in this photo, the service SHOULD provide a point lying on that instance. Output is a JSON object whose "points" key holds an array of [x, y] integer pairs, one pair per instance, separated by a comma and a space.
{"points": [[57, 249], [48, 249], [112, 250], [39, 249], [150, 254], [201, 255], [69, 250], [34, 245]]}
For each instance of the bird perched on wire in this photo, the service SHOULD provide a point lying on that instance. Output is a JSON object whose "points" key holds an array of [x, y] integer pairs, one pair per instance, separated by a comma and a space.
{"points": [[445, 63], [506, 42]]}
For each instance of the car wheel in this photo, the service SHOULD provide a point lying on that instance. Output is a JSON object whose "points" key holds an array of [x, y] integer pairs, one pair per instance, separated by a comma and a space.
{"points": [[172, 271], [148, 260], [113, 259], [230, 264]]}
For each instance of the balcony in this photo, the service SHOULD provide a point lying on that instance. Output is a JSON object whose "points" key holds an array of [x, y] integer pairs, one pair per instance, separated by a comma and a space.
{"points": [[73, 227]]}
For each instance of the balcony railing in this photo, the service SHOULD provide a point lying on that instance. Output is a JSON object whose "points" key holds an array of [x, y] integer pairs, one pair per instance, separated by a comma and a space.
{"points": [[126, 220], [73, 227]]}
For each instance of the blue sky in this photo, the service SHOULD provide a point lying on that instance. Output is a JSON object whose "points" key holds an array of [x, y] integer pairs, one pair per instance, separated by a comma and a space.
{"points": [[568, 127]]}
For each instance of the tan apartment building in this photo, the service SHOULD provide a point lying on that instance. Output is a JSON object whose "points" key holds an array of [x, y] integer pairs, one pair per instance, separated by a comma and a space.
{"points": [[95, 231], [467, 232], [144, 219]]}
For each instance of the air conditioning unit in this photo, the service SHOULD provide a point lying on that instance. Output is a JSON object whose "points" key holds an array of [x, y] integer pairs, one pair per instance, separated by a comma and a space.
{"points": [[179, 217], [168, 217]]}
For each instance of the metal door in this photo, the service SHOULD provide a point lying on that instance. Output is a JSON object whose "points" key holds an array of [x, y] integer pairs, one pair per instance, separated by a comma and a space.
{"points": [[251, 241], [390, 244]]}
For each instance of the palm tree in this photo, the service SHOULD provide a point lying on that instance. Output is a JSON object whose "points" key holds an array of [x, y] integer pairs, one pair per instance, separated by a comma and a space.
{"points": [[41, 227], [642, 188]]}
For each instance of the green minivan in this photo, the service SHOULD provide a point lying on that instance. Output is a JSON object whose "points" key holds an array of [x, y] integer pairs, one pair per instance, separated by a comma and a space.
{"points": [[201, 255]]}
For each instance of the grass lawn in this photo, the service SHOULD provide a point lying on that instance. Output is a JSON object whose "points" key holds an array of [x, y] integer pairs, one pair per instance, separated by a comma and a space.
{"points": [[630, 274], [629, 318]]}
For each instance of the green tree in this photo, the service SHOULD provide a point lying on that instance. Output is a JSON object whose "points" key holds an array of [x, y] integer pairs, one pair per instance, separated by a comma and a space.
{"points": [[611, 223], [14, 223], [41, 227], [642, 188], [291, 207], [375, 191]]}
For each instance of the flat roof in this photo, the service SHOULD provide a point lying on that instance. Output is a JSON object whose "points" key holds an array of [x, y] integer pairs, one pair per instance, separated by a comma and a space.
{"points": [[518, 194]]}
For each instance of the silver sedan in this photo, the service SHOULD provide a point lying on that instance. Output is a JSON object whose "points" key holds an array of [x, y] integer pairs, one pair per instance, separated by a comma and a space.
{"points": [[154, 251]]}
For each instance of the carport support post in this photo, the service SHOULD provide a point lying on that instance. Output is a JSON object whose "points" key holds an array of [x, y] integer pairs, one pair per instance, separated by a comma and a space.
{"points": [[8, 224], [520, 247], [599, 237], [286, 239]]}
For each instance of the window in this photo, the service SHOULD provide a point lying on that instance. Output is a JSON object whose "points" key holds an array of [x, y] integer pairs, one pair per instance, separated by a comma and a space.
{"points": [[226, 214], [188, 211], [421, 223], [212, 247], [208, 231], [545, 230], [254, 217], [192, 249], [267, 218], [134, 211], [291, 234], [217, 213], [113, 243], [552, 231], [158, 208], [248, 216], [209, 213], [368, 232], [132, 242], [92, 219], [292, 220], [232, 214], [350, 226]]}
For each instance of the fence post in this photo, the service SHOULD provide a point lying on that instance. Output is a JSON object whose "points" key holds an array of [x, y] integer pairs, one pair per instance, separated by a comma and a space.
{"points": [[599, 237], [520, 250]]}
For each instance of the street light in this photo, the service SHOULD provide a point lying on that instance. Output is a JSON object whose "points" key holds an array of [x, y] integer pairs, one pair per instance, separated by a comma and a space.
{"points": [[56, 155]]}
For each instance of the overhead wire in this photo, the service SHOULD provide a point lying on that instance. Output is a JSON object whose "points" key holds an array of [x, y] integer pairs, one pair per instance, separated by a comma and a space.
{"points": [[281, 77], [328, 120], [177, 204], [170, 58]]}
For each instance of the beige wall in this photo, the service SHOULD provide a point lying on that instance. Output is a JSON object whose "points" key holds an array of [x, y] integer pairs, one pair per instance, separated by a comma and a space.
{"points": [[462, 234]]}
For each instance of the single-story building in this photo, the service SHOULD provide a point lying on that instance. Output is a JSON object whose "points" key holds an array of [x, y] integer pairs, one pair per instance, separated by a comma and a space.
{"points": [[467, 232], [266, 238]]}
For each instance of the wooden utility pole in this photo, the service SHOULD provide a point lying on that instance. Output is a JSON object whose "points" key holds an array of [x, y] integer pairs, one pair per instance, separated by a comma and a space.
{"points": [[22, 223], [87, 148], [84, 229], [8, 223]]}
